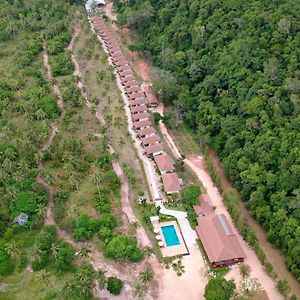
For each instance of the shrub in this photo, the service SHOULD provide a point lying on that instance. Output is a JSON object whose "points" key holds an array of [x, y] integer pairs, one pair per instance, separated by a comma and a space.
{"points": [[122, 247], [219, 288], [48, 105], [6, 264], [62, 64], [114, 285], [283, 287]]}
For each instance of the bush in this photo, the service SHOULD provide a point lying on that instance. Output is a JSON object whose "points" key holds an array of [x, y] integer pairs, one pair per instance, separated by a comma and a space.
{"points": [[62, 64], [124, 248], [218, 288], [190, 195], [114, 285], [48, 105], [283, 287], [6, 264]]}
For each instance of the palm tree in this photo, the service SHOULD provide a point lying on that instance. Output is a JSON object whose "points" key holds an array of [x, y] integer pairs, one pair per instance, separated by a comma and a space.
{"points": [[146, 276], [139, 291], [74, 178], [41, 210], [37, 253], [12, 249], [74, 210], [167, 261], [101, 278], [84, 252], [42, 277], [55, 249], [148, 251], [178, 267], [97, 178]]}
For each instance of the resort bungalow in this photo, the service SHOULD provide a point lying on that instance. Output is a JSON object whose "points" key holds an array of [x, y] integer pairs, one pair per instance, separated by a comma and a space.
{"points": [[140, 117], [152, 99], [113, 45], [136, 95], [154, 150], [171, 183], [136, 102], [220, 243], [118, 59], [164, 163], [138, 109], [126, 73], [150, 140], [149, 131], [122, 62], [128, 78], [141, 125], [117, 56], [123, 68], [135, 89], [131, 83], [114, 50]]}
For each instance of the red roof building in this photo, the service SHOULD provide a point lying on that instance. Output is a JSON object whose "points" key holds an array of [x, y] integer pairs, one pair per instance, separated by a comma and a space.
{"points": [[129, 78], [132, 83], [114, 49], [136, 91], [118, 59], [146, 132], [150, 140], [126, 73], [220, 243], [154, 150], [122, 62], [139, 101], [141, 124], [152, 99], [123, 68], [171, 183], [164, 163], [136, 95], [138, 109], [140, 117]]}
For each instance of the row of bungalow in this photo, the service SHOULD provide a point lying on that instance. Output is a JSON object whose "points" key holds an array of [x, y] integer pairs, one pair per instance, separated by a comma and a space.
{"points": [[140, 98]]}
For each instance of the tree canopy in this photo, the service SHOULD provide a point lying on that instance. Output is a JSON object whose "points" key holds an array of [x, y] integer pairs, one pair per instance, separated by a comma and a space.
{"points": [[232, 72]]}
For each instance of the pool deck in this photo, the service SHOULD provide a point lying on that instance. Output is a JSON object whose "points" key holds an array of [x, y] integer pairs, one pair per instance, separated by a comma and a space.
{"points": [[180, 249]]}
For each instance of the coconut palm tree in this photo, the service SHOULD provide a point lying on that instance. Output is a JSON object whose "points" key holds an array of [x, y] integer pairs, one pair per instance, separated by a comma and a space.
{"points": [[146, 276], [37, 253], [101, 278], [42, 277], [73, 179], [84, 252], [178, 267], [74, 210], [12, 249], [139, 291], [97, 178], [55, 249], [41, 210], [167, 261], [148, 251]]}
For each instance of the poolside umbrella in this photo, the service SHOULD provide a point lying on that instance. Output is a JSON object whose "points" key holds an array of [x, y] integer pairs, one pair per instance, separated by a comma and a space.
{"points": [[156, 230], [158, 237], [160, 244]]}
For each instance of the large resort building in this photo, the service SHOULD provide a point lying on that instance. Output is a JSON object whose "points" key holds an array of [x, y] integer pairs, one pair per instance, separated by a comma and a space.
{"points": [[220, 243]]}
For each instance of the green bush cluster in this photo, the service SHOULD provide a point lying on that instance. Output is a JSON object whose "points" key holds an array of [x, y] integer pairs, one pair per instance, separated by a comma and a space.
{"points": [[114, 285]]}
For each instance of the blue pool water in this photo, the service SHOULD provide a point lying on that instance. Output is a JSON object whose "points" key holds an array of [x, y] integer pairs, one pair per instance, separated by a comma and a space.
{"points": [[170, 235]]}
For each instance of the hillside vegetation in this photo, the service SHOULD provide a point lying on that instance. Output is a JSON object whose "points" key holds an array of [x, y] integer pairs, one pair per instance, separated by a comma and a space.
{"points": [[231, 69]]}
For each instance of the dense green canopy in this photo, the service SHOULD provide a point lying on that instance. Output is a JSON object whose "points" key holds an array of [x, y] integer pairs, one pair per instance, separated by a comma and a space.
{"points": [[232, 71]]}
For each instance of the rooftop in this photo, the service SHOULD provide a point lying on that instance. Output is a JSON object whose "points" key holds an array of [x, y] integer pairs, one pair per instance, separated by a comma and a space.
{"points": [[151, 140], [138, 108], [164, 163], [154, 149], [142, 124], [171, 182], [140, 116], [216, 234], [146, 131]]}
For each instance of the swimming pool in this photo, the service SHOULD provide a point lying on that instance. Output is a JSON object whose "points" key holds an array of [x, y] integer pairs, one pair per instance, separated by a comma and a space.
{"points": [[170, 235]]}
